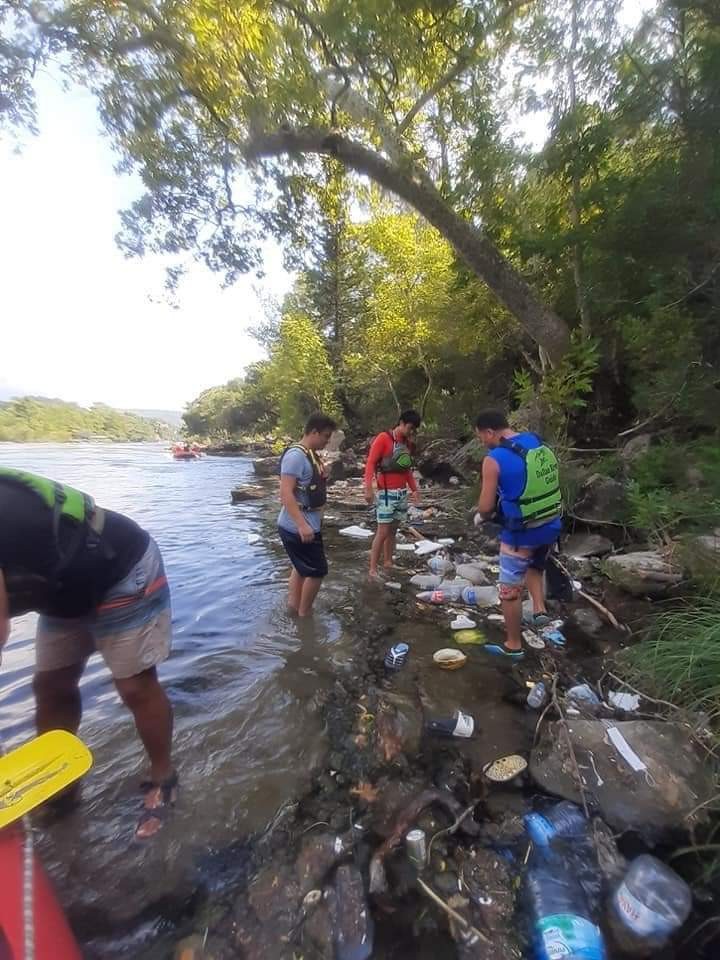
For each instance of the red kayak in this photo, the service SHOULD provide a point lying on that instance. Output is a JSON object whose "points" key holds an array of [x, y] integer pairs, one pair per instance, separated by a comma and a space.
{"points": [[53, 937]]}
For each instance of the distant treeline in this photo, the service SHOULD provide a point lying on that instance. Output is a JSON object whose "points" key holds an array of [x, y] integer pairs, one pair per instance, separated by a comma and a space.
{"points": [[37, 418]]}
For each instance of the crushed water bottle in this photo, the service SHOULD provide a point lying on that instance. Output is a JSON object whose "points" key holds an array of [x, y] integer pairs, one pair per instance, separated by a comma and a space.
{"points": [[649, 905], [480, 596], [562, 922], [537, 696], [441, 565]]}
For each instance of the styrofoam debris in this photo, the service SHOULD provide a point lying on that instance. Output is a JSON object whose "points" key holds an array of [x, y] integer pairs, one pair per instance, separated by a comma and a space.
{"points": [[359, 533]]}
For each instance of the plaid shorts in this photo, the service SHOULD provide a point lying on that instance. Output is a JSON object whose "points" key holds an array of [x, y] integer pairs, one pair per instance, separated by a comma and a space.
{"points": [[392, 506]]}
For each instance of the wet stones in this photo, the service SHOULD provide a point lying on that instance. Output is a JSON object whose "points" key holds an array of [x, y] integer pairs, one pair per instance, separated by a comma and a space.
{"points": [[582, 545], [645, 573], [242, 494], [601, 498], [267, 466]]}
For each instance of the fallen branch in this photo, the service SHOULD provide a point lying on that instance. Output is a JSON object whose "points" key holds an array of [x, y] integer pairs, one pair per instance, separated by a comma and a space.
{"points": [[608, 614], [465, 924], [453, 827]]}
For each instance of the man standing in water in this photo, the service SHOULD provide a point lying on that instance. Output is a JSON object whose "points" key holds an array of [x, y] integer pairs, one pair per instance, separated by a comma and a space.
{"points": [[303, 494], [521, 488], [390, 463], [97, 580]]}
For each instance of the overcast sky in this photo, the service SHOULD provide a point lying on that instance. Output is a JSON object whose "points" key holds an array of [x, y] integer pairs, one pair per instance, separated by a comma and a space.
{"points": [[82, 322]]}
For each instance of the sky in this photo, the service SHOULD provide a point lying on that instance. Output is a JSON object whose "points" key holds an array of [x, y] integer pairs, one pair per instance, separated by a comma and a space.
{"points": [[79, 320]]}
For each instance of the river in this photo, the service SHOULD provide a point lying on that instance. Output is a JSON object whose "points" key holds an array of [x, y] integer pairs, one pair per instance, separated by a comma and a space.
{"points": [[243, 678]]}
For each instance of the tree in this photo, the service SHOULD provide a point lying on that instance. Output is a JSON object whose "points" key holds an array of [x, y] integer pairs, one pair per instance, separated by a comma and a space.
{"points": [[194, 91]]}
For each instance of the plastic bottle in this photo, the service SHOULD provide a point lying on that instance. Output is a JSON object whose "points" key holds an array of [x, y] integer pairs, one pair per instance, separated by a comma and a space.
{"points": [[426, 581], [537, 696], [562, 925], [480, 596], [441, 565], [648, 906], [563, 820], [459, 725], [396, 656]]}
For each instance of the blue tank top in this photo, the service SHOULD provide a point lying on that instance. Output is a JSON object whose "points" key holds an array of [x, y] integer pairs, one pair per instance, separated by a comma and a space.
{"points": [[511, 485]]}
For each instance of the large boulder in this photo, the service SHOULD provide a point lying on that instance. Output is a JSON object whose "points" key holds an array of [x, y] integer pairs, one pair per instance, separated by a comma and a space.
{"points": [[343, 465], [267, 466], [435, 461], [668, 796], [601, 499], [587, 545], [645, 573], [241, 494], [635, 448]]}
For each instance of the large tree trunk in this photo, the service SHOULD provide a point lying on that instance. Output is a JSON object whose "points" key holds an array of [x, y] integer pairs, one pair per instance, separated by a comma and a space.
{"points": [[478, 252]]}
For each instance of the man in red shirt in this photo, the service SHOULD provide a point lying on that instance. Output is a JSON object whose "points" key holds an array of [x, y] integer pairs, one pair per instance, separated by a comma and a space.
{"points": [[390, 463]]}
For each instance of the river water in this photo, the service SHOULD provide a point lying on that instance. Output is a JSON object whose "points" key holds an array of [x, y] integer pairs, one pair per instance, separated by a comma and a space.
{"points": [[243, 678]]}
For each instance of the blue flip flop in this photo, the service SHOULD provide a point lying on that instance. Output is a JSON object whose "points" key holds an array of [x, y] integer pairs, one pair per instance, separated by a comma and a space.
{"points": [[537, 620], [500, 650]]}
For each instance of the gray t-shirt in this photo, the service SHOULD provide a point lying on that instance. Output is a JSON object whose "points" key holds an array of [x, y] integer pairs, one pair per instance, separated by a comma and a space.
{"points": [[296, 464]]}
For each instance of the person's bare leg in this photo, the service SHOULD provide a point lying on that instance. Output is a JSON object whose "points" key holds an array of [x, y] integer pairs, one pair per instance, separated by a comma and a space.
{"points": [[295, 588], [58, 705], [512, 612], [311, 586], [378, 546], [389, 545], [147, 701], [536, 588]]}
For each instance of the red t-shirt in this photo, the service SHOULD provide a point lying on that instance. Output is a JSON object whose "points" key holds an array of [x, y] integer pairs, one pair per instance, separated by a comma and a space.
{"points": [[382, 446]]}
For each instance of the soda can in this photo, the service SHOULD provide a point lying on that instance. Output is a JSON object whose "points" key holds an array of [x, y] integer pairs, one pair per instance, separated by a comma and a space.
{"points": [[416, 847]]}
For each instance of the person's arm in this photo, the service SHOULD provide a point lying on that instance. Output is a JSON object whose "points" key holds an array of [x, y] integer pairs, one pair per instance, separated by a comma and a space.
{"points": [[4, 614], [288, 482], [378, 450], [412, 483], [487, 504]]}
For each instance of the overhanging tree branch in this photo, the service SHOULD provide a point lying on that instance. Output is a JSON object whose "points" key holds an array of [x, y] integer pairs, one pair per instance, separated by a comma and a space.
{"points": [[412, 185]]}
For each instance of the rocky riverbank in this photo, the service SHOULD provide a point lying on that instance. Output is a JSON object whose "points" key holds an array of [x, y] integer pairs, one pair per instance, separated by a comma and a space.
{"points": [[331, 878]]}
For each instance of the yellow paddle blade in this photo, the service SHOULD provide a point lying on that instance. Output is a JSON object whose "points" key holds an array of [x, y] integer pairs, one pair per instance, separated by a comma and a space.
{"points": [[38, 770]]}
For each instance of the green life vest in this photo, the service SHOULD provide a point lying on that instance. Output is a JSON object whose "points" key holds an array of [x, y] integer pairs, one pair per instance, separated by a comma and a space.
{"points": [[541, 499], [399, 461]]}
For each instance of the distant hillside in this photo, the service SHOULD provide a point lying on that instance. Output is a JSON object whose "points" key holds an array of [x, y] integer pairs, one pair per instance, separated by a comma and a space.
{"points": [[173, 417], [39, 418]]}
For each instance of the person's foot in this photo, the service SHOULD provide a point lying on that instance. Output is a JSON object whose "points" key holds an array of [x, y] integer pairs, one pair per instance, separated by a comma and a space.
{"points": [[159, 800], [375, 576], [503, 650]]}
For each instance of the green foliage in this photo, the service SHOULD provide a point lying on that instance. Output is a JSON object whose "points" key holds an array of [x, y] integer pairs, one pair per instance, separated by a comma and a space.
{"points": [[675, 487], [238, 408], [680, 661], [35, 418]]}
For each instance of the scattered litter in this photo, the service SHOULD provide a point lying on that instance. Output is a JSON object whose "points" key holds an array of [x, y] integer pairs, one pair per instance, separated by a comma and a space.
{"points": [[625, 750], [470, 637], [555, 637], [396, 656], [426, 581], [577, 585], [624, 701], [582, 695], [480, 596], [446, 541], [359, 533], [405, 547], [416, 848], [253, 538], [533, 640], [462, 622], [537, 696], [449, 659], [650, 904], [494, 568], [393, 585], [496, 618], [441, 565], [425, 547], [459, 725], [505, 768]]}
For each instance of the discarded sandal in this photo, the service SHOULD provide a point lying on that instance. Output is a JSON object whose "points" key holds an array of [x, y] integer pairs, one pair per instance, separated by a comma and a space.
{"points": [[500, 650]]}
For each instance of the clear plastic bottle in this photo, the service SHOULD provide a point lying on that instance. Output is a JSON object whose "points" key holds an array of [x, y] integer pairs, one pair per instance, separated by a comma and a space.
{"points": [[564, 820], [441, 565], [480, 596], [537, 696], [648, 906], [562, 925]]}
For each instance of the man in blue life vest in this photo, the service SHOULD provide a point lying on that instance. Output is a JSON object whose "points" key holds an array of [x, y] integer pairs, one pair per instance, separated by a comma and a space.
{"points": [[521, 490], [98, 582]]}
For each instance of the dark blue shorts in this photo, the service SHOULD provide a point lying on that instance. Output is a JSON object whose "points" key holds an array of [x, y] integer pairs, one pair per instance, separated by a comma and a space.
{"points": [[307, 558]]}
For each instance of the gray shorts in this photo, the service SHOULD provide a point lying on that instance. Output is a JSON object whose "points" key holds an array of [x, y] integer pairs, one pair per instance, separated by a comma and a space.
{"points": [[131, 627]]}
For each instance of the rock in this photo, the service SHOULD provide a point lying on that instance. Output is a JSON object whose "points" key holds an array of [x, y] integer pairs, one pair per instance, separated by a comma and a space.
{"points": [[435, 461], [320, 925], [667, 796], [636, 447], [267, 466], [644, 574], [585, 624], [474, 572], [354, 927], [241, 494], [343, 465], [337, 439], [446, 883], [601, 498], [583, 545], [707, 546], [398, 726], [320, 852]]}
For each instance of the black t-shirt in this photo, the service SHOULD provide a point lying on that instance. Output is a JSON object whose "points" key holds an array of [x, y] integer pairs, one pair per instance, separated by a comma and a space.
{"points": [[27, 547]]}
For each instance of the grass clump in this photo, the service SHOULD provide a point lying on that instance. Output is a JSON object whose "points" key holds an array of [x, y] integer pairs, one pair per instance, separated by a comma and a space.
{"points": [[680, 659]]}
